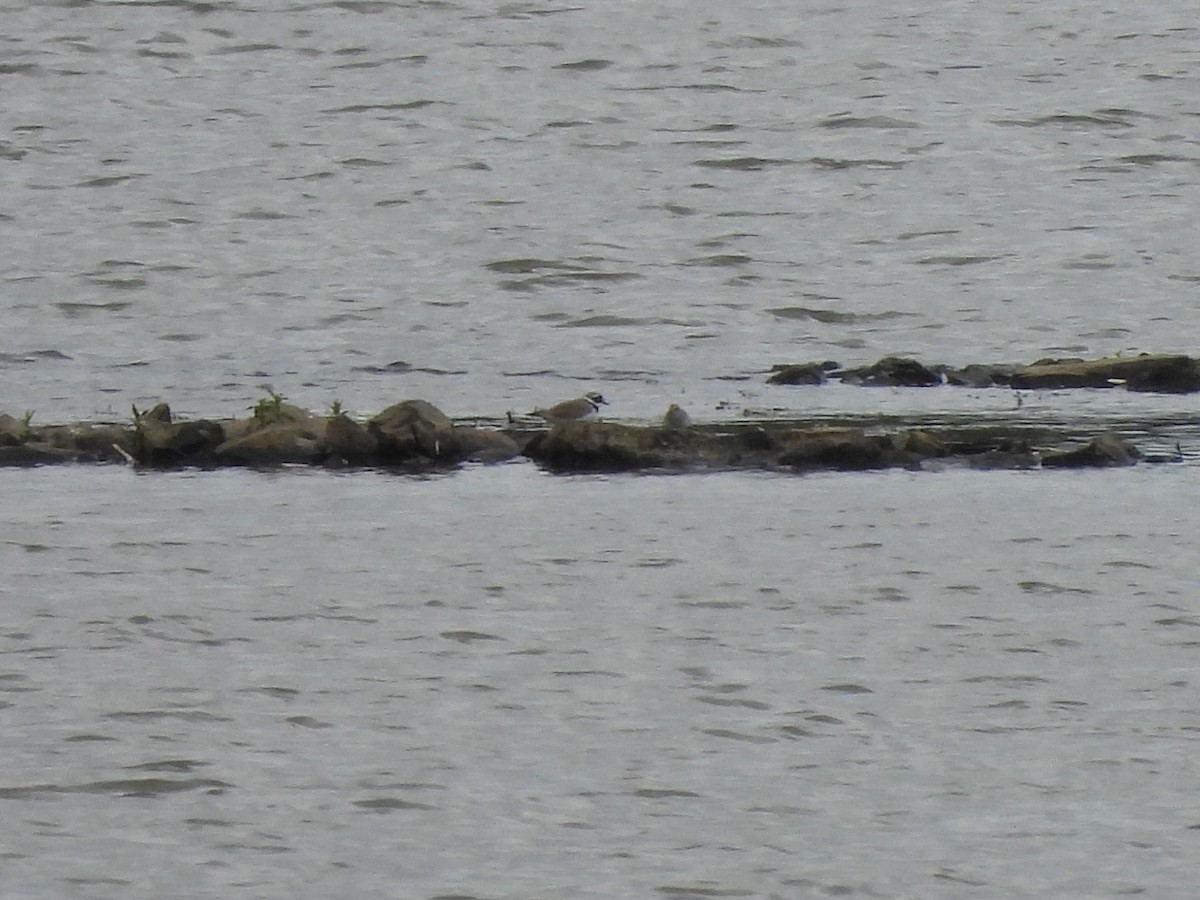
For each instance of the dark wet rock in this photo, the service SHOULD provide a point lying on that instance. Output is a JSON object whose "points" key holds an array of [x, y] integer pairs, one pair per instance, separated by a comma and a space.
{"points": [[34, 453], [892, 371], [400, 415], [846, 449], [1103, 451], [593, 446], [610, 447], [801, 373], [275, 434], [92, 443], [416, 429], [1149, 372], [157, 443], [433, 441], [346, 441], [605, 446], [757, 439], [485, 444], [276, 444], [411, 428]]}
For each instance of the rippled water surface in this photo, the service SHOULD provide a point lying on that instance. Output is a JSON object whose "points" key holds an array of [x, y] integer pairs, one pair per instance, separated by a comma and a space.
{"points": [[494, 683], [894, 685], [489, 204]]}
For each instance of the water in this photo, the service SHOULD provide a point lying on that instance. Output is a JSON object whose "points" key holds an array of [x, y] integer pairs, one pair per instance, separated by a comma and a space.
{"points": [[496, 683], [306, 684], [518, 200]]}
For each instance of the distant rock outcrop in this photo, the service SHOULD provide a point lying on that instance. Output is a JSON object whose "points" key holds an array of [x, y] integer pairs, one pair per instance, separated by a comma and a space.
{"points": [[1163, 373], [1172, 374]]}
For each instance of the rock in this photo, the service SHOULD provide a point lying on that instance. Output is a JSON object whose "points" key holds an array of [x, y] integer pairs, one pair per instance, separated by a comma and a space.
{"points": [[756, 439], [1106, 450], [598, 446], [400, 415], [800, 373], [347, 441], [837, 448], [94, 443], [892, 371], [1161, 372], [34, 453], [413, 428], [157, 443], [268, 413], [417, 429], [484, 444], [919, 444], [271, 445], [13, 431]]}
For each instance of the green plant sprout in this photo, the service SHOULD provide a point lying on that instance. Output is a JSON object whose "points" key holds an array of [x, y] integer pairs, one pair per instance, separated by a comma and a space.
{"points": [[269, 409]]}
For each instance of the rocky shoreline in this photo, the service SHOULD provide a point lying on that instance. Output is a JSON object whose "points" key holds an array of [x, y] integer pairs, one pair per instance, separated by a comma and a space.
{"points": [[414, 435]]}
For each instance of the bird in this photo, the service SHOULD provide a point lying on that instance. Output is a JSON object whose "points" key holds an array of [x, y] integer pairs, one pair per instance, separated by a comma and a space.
{"points": [[676, 419], [573, 410]]}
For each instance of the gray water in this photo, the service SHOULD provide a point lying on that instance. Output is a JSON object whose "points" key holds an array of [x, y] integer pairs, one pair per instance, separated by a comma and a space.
{"points": [[496, 683], [514, 200], [372, 686]]}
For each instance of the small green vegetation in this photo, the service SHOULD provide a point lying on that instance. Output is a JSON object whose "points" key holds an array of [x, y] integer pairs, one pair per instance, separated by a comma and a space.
{"points": [[269, 409], [27, 418], [335, 408]]}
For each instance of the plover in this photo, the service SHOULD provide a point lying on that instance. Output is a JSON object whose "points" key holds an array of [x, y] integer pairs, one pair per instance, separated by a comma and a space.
{"points": [[675, 419], [573, 410]]}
